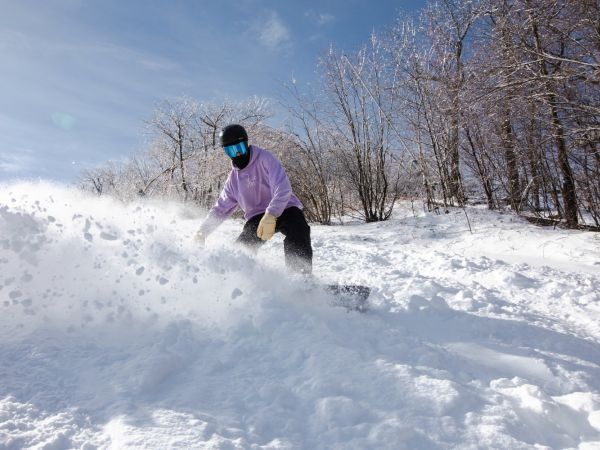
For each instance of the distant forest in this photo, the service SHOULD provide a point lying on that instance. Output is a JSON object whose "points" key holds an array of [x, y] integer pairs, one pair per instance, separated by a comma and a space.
{"points": [[468, 102]]}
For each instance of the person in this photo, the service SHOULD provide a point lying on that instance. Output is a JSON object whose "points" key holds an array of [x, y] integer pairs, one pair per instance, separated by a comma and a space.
{"points": [[259, 185]]}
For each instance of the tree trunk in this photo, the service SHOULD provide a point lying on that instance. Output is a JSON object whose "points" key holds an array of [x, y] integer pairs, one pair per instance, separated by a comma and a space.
{"points": [[514, 190], [568, 183]]}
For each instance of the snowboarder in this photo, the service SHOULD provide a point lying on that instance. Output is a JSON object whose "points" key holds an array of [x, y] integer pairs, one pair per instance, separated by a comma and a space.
{"points": [[259, 185]]}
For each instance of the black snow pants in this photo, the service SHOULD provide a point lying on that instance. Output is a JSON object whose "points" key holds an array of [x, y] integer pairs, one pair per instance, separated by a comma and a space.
{"points": [[296, 245]]}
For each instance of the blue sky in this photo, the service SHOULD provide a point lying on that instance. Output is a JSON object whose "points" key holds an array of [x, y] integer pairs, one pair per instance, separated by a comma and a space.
{"points": [[79, 77]]}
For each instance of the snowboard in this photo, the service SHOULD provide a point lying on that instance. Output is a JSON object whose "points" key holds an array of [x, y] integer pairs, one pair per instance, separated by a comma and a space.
{"points": [[353, 297]]}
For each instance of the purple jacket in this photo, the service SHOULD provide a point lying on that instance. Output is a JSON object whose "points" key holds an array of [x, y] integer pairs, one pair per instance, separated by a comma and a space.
{"points": [[262, 186]]}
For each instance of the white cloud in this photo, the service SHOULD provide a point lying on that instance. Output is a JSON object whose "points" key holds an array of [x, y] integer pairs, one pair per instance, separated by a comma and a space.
{"points": [[273, 32], [15, 162], [319, 18], [325, 19]]}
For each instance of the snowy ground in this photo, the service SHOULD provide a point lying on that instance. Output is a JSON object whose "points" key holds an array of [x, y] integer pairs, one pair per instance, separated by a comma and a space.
{"points": [[117, 332]]}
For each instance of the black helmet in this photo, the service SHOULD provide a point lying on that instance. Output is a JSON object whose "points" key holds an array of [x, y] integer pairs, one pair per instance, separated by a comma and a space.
{"points": [[233, 134]]}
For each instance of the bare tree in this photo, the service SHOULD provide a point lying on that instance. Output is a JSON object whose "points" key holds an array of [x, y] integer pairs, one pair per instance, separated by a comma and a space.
{"points": [[312, 164], [173, 127], [447, 26], [361, 129]]}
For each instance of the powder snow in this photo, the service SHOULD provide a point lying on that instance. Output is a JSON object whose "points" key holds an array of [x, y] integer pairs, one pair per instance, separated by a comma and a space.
{"points": [[118, 332]]}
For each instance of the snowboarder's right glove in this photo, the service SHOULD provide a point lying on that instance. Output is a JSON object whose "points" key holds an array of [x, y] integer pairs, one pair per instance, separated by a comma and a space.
{"points": [[200, 238], [266, 227]]}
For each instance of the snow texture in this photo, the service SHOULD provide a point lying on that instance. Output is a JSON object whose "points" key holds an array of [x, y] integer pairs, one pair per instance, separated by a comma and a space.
{"points": [[117, 331]]}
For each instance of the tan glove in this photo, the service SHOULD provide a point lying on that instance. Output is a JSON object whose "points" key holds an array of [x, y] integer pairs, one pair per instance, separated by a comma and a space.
{"points": [[200, 239], [266, 227]]}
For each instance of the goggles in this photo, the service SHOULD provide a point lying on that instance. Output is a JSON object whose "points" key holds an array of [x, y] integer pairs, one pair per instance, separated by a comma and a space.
{"points": [[239, 149]]}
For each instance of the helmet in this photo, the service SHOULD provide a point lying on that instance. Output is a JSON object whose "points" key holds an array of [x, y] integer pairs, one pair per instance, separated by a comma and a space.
{"points": [[233, 134]]}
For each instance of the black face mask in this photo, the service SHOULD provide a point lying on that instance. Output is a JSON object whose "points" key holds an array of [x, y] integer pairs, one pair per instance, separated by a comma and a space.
{"points": [[241, 161]]}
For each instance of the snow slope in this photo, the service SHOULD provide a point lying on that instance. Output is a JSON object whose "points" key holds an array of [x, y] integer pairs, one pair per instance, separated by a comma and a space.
{"points": [[117, 332]]}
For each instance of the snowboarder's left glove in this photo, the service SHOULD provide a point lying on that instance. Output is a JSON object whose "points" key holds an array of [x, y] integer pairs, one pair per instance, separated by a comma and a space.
{"points": [[266, 227]]}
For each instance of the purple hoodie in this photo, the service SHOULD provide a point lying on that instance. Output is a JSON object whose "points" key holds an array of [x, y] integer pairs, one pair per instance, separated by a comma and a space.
{"points": [[260, 187]]}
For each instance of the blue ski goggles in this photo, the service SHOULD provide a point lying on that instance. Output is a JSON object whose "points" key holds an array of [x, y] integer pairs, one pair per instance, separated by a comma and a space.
{"points": [[239, 149]]}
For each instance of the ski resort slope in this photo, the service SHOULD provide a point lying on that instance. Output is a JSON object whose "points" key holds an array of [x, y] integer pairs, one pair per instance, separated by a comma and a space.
{"points": [[118, 332]]}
